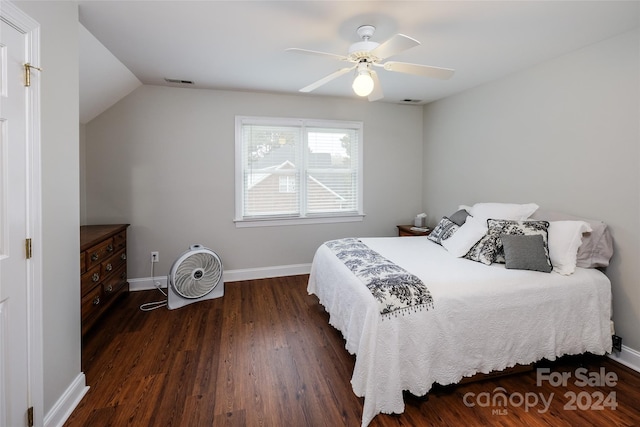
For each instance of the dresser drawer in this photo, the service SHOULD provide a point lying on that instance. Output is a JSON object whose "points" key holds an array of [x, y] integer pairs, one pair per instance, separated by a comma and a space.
{"points": [[120, 240], [83, 264], [97, 254], [90, 279], [114, 262], [114, 282], [91, 305]]}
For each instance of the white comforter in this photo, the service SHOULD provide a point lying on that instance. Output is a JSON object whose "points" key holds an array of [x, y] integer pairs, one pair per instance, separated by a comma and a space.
{"points": [[484, 318]]}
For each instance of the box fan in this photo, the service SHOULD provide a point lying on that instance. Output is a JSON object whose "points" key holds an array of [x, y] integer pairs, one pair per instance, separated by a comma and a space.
{"points": [[195, 276]]}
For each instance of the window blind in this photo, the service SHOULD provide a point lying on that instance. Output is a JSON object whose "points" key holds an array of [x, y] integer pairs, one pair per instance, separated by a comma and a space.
{"points": [[298, 168]]}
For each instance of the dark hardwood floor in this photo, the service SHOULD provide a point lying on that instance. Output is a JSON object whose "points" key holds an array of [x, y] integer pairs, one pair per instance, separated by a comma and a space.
{"points": [[265, 355]]}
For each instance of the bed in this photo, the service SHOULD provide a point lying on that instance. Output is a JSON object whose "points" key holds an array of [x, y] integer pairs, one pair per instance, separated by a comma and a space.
{"points": [[468, 317]]}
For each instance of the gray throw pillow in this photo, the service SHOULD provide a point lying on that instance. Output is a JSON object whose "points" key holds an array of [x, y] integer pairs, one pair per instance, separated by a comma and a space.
{"points": [[459, 217], [525, 252]]}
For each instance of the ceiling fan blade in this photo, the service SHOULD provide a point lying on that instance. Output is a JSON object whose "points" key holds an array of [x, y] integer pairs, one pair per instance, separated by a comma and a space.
{"points": [[377, 88], [394, 46], [326, 79], [420, 70], [316, 53]]}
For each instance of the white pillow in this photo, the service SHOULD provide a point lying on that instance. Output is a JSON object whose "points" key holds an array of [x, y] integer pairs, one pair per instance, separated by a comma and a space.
{"points": [[512, 211], [467, 235], [564, 239]]}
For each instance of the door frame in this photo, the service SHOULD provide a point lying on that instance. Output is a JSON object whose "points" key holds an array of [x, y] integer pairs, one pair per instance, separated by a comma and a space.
{"points": [[15, 17]]}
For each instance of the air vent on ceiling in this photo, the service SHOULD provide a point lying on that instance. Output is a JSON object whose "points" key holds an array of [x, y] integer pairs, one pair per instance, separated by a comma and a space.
{"points": [[412, 101], [178, 81]]}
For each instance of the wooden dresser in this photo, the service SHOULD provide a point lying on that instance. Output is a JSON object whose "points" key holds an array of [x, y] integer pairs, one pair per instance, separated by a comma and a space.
{"points": [[103, 269]]}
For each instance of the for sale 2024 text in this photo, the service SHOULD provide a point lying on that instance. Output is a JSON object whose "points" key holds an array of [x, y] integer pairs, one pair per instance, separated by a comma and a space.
{"points": [[590, 397], [582, 377]]}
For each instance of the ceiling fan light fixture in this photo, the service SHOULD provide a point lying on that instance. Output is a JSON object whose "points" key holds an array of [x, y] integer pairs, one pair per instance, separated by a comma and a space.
{"points": [[366, 54], [363, 83]]}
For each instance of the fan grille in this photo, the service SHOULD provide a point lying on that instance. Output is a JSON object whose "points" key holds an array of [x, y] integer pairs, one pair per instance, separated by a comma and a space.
{"points": [[197, 275]]}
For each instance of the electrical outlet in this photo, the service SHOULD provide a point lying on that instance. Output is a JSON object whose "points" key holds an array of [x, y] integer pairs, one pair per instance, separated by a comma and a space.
{"points": [[155, 256], [617, 343]]}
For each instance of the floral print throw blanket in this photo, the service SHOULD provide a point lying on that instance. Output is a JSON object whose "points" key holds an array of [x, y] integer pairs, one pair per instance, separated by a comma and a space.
{"points": [[396, 290]]}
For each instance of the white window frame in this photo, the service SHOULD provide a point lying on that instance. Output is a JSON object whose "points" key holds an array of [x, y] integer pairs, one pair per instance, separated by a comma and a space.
{"points": [[303, 218]]}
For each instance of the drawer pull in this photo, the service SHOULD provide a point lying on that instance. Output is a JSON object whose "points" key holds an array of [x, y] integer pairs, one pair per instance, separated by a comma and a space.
{"points": [[109, 289], [96, 301], [123, 256], [123, 275], [95, 277], [110, 248], [94, 256], [108, 267]]}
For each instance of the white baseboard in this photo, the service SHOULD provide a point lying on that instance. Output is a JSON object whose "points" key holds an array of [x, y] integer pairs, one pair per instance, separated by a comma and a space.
{"points": [[266, 272], [65, 405], [146, 283], [628, 357]]}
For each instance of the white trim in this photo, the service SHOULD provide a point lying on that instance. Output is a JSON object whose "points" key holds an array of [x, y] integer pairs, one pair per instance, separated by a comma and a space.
{"points": [[628, 357], [147, 283], [15, 17], [64, 406], [266, 272], [3, 362], [241, 223]]}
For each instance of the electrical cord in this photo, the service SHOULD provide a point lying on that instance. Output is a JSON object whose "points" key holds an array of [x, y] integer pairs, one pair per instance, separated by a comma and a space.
{"points": [[155, 304]]}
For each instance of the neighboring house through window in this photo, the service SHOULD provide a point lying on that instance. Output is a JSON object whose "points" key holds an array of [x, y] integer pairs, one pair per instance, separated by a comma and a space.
{"points": [[287, 184], [297, 171]]}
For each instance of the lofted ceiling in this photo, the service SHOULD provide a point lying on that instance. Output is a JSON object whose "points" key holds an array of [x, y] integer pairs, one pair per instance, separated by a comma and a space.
{"points": [[240, 45]]}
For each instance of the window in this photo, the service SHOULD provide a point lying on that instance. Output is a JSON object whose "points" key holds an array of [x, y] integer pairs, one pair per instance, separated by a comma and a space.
{"points": [[297, 171], [287, 184]]}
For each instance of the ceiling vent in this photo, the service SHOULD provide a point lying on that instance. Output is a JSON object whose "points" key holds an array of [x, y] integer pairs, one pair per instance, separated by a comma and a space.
{"points": [[412, 101], [178, 81]]}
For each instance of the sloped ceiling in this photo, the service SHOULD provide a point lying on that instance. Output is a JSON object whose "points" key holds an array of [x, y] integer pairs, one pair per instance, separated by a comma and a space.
{"points": [[104, 80], [240, 45]]}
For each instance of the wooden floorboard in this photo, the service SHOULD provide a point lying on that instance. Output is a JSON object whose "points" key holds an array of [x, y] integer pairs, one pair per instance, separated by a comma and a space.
{"points": [[265, 355]]}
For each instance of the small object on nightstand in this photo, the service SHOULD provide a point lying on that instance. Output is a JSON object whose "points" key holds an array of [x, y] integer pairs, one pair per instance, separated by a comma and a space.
{"points": [[411, 230]]}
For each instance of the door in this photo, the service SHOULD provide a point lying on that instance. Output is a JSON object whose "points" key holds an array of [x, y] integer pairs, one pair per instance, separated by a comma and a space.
{"points": [[16, 213]]}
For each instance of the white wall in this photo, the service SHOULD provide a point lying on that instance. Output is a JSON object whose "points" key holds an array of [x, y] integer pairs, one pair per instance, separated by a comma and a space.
{"points": [[60, 193], [162, 159], [83, 174], [564, 134]]}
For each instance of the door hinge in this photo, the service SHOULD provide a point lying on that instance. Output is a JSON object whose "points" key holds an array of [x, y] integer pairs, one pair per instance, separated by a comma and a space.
{"points": [[27, 73], [30, 416], [27, 247]]}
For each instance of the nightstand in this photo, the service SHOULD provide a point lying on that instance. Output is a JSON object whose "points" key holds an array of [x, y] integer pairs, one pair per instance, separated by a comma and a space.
{"points": [[406, 230]]}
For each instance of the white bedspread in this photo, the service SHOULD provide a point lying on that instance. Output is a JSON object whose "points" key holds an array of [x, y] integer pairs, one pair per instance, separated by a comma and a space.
{"points": [[484, 318]]}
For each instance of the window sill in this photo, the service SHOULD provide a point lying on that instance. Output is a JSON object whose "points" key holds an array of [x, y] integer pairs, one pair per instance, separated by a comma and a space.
{"points": [[277, 222]]}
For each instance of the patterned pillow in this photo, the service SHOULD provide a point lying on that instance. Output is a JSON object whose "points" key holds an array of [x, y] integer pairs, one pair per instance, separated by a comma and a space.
{"points": [[523, 228], [489, 249], [485, 250], [443, 230]]}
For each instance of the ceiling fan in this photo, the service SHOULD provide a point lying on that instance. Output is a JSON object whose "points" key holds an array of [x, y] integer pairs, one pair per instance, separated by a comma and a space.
{"points": [[367, 54]]}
